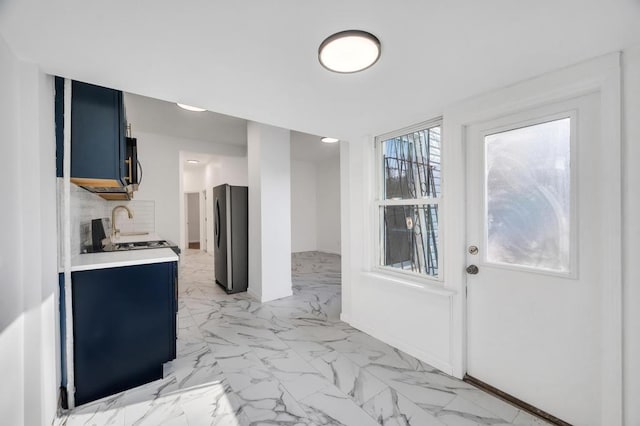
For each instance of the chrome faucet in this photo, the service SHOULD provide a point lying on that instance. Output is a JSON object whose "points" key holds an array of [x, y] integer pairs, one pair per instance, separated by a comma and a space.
{"points": [[114, 230]]}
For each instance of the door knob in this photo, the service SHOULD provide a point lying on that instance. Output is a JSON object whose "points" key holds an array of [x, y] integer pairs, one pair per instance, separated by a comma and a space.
{"points": [[472, 269]]}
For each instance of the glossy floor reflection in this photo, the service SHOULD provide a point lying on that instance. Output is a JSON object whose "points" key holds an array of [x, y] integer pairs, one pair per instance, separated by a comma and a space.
{"points": [[289, 362]]}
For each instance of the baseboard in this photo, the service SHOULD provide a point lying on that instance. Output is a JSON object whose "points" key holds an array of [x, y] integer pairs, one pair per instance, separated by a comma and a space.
{"points": [[317, 250], [269, 299], [329, 252], [433, 361], [253, 295], [277, 296]]}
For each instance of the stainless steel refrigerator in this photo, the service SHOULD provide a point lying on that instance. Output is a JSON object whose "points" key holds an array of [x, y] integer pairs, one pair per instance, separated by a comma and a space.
{"points": [[231, 237]]}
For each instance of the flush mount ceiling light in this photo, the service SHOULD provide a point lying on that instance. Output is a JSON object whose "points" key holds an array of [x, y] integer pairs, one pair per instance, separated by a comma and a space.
{"points": [[190, 108], [329, 140], [193, 161], [349, 51]]}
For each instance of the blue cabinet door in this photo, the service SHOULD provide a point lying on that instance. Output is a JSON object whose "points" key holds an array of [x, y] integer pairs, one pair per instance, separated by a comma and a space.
{"points": [[98, 144], [124, 327]]}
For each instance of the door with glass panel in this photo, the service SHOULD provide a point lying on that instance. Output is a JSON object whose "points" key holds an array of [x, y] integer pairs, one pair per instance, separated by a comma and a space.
{"points": [[534, 226]]}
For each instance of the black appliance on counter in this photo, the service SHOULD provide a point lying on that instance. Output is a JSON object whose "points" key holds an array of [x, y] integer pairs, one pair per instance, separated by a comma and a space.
{"points": [[99, 230], [231, 237]]}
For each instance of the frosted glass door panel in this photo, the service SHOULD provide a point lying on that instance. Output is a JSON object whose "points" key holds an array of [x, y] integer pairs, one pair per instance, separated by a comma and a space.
{"points": [[528, 196]]}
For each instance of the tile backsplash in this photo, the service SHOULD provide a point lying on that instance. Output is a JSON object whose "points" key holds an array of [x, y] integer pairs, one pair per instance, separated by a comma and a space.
{"points": [[144, 213], [86, 206]]}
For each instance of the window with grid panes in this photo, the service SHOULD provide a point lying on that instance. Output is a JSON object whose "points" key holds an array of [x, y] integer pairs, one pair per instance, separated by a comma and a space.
{"points": [[408, 200]]}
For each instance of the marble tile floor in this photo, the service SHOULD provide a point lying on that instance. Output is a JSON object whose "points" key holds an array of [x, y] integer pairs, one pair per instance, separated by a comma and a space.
{"points": [[289, 362]]}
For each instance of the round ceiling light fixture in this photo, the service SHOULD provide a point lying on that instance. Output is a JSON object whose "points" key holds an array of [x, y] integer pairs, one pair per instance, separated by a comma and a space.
{"points": [[193, 161], [349, 51], [329, 140], [190, 108]]}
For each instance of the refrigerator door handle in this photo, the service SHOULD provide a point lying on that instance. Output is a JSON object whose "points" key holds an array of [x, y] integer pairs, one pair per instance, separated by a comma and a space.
{"points": [[228, 220], [217, 227]]}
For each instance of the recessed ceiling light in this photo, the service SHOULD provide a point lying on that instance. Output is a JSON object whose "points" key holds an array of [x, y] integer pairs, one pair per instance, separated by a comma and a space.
{"points": [[193, 161], [190, 108], [329, 140], [349, 51]]}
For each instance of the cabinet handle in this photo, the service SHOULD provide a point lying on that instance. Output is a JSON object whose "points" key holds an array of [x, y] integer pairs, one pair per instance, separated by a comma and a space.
{"points": [[129, 162]]}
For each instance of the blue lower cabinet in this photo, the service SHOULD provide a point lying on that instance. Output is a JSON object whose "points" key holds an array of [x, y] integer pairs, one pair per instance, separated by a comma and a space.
{"points": [[124, 327]]}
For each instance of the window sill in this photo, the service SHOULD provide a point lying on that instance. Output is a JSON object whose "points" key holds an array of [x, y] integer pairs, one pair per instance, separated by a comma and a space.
{"points": [[422, 286]]}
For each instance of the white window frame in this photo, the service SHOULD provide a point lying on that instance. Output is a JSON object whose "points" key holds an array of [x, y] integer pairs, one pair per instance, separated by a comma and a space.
{"points": [[380, 202]]}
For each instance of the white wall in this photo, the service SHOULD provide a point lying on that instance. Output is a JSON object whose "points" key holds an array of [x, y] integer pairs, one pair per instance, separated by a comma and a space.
{"points": [[40, 258], [163, 181], [328, 205], [315, 205], [29, 363], [193, 179], [268, 151], [304, 225], [11, 292], [631, 233], [414, 318]]}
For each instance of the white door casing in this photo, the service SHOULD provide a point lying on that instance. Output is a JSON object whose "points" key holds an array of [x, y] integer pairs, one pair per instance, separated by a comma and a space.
{"points": [[601, 78]]}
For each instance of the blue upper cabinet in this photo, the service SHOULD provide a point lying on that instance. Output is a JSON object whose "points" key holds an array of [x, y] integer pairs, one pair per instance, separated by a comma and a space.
{"points": [[98, 144], [103, 159]]}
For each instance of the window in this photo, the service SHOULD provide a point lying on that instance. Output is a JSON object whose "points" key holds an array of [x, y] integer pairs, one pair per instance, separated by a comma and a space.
{"points": [[409, 197]]}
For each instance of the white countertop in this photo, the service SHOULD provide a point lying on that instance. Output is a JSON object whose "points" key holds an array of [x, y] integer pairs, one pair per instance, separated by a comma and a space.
{"points": [[114, 259]]}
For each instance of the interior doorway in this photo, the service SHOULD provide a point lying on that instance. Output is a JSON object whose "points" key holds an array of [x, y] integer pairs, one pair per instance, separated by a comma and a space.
{"points": [[315, 224], [192, 217]]}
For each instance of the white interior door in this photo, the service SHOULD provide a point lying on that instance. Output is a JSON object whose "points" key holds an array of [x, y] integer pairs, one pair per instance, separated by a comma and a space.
{"points": [[534, 213]]}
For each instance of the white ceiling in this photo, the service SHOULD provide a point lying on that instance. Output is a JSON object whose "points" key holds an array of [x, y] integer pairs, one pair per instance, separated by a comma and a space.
{"points": [[203, 159], [166, 118], [258, 59]]}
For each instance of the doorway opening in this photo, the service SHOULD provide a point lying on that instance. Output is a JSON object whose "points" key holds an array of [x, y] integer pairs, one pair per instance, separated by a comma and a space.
{"points": [[315, 222], [192, 217]]}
